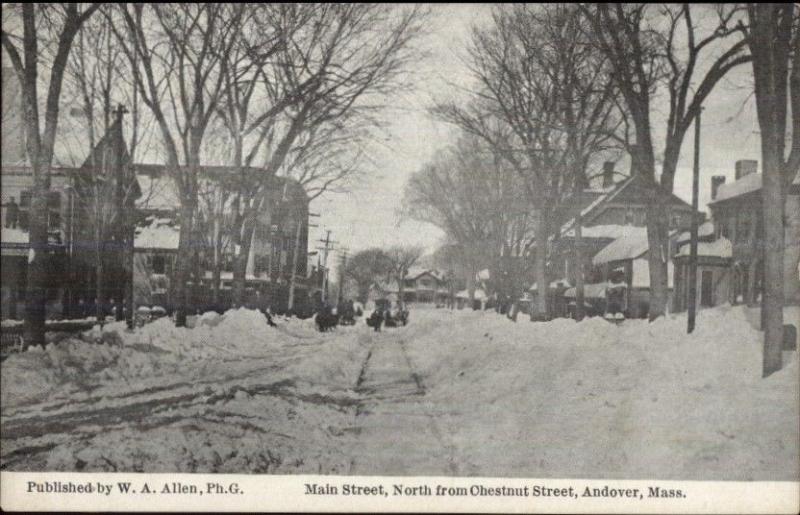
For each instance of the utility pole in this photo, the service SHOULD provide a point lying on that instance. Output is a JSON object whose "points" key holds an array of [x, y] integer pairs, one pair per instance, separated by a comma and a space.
{"points": [[295, 259], [342, 266], [325, 250], [692, 301]]}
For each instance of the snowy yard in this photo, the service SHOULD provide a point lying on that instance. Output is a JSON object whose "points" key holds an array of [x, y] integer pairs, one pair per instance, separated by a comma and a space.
{"points": [[454, 393]]}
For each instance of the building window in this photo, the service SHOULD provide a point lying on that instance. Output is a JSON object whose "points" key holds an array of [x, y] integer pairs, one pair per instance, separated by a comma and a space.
{"points": [[743, 229], [54, 210], [159, 264]]}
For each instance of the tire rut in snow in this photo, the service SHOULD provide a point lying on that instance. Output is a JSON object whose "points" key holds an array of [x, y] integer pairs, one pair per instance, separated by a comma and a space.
{"points": [[388, 376]]}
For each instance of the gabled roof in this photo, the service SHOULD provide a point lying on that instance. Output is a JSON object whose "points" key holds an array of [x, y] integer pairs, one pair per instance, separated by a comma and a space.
{"points": [[415, 273], [630, 190]]}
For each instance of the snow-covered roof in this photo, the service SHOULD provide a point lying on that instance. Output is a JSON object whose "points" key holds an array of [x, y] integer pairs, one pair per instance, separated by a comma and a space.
{"points": [[479, 294], [641, 273], [719, 248], [747, 184], [13, 235], [160, 234], [706, 229], [415, 272], [558, 283], [632, 243], [590, 291], [484, 275], [600, 231]]}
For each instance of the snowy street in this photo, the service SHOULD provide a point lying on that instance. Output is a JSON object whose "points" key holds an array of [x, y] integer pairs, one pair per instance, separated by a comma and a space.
{"points": [[454, 393]]}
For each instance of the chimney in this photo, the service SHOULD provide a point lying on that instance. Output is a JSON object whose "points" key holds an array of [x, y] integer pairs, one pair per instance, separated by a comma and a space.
{"points": [[745, 167], [716, 182], [608, 174]]}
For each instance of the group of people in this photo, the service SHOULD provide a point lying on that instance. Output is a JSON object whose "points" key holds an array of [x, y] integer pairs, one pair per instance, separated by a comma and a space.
{"points": [[383, 316]]}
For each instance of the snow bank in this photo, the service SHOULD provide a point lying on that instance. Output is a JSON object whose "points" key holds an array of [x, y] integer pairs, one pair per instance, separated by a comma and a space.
{"points": [[631, 401]]}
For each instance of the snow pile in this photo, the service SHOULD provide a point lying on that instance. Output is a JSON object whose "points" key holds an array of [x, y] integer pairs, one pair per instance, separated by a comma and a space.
{"points": [[631, 401], [71, 368]]}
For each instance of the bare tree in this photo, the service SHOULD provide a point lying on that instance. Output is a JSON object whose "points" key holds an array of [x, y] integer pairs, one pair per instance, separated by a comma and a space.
{"points": [[646, 50], [476, 199], [57, 24], [401, 259], [338, 67], [103, 189], [548, 93], [177, 49], [774, 40]]}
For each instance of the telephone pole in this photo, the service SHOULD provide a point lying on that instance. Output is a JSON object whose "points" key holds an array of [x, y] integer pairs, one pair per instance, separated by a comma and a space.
{"points": [[692, 301], [329, 246], [342, 266]]}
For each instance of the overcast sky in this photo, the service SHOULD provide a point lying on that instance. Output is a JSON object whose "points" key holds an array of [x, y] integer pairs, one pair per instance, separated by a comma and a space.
{"points": [[369, 216]]}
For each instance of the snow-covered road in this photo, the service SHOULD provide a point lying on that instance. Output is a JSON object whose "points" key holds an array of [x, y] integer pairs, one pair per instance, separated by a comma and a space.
{"points": [[454, 393]]}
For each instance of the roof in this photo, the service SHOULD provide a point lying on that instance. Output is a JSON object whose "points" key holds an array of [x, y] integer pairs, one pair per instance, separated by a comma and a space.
{"points": [[590, 291], [631, 244], [159, 235], [599, 231], [558, 283], [416, 272], [703, 231], [628, 190], [722, 248], [13, 235], [747, 184], [479, 294], [159, 191]]}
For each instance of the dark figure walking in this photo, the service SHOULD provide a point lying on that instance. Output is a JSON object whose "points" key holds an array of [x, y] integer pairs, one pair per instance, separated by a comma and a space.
{"points": [[375, 320]]}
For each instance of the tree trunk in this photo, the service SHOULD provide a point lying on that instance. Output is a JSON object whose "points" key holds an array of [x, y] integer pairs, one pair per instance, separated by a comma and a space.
{"points": [[791, 256], [36, 294], [293, 277], [216, 272], [658, 243], [772, 298], [241, 259], [184, 262], [539, 310], [98, 291], [129, 244], [578, 270]]}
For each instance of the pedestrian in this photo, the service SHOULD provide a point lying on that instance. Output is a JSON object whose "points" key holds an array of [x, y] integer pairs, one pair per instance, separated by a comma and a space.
{"points": [[12, 214]]}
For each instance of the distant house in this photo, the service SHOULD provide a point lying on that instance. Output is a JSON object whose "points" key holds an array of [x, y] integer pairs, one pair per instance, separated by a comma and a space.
{"points": [[421, 285], [613, 237], [424, 285], [736, 209], [731, 252]]}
